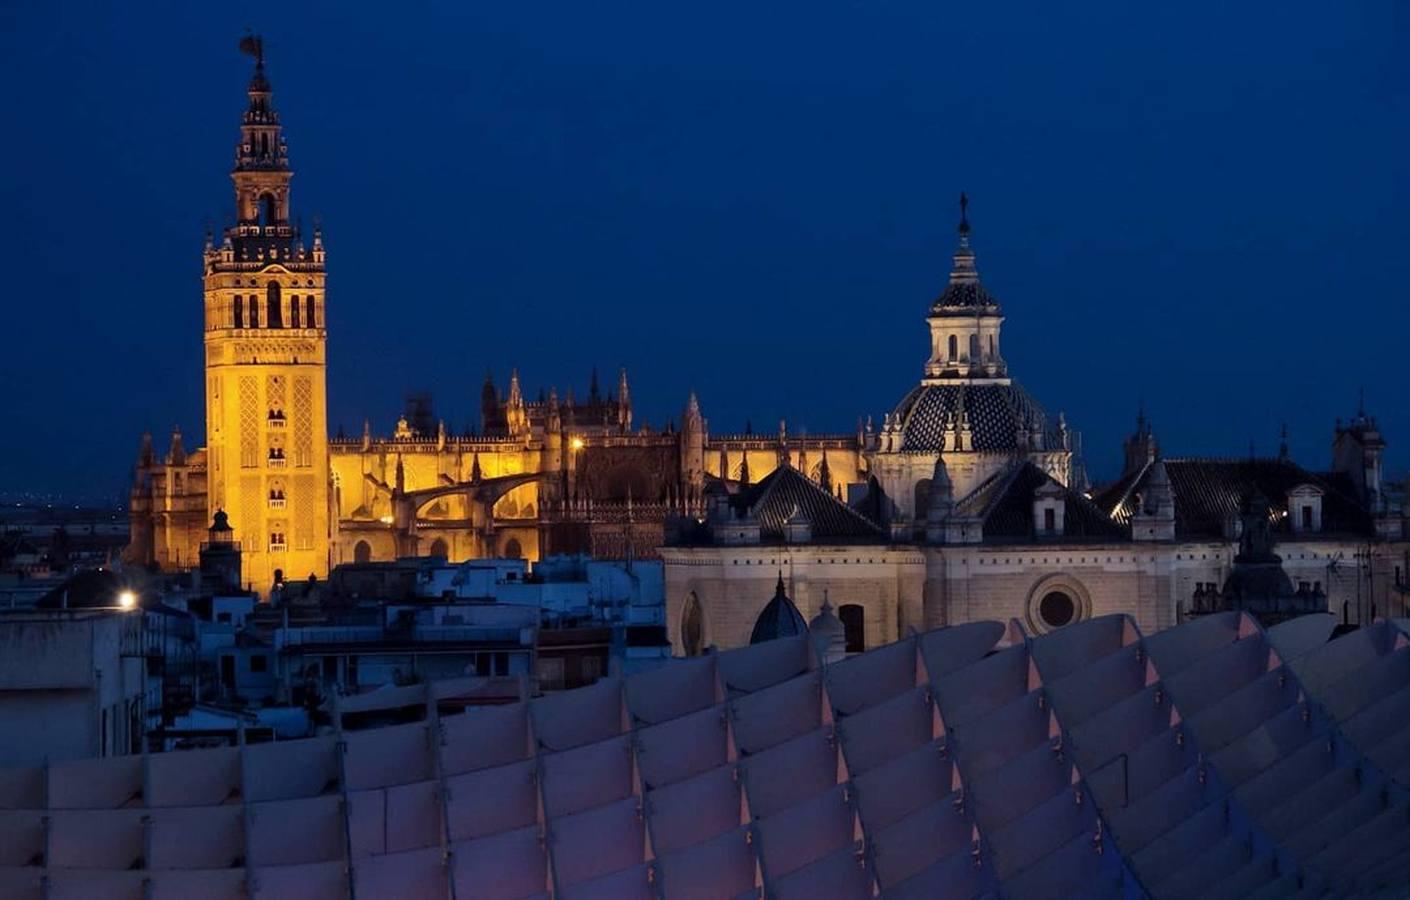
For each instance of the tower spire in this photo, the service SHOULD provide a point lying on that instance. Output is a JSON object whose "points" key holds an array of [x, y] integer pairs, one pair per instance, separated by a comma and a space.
{"points": [[964, 271]]}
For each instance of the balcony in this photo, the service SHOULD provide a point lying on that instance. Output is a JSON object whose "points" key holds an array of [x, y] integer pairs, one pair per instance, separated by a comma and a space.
{"points": [[277, 502], [272, 422], [276, 462]]}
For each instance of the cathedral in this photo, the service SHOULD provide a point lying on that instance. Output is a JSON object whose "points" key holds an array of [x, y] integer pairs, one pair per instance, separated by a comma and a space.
{"points": [[539, 475], [968, 501]]}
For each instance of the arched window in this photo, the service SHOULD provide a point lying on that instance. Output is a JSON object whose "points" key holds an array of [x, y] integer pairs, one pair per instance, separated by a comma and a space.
{"points": [[239, 311], [954, 348], [294, 311], [264, 144], [253, 308], [439, 548], [362, 552], [512, 550], [854, 626], [692, 627], [974, 348], [274, 306], [922, 501], [992, 354], [308, 318], [269, 210]]}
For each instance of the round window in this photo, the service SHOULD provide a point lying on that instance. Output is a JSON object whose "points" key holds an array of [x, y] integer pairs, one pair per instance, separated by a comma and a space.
{"points": [[1057, 609]]}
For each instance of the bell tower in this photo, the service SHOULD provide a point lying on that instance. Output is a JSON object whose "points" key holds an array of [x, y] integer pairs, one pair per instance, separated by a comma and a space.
{"points": [[266, 337]]}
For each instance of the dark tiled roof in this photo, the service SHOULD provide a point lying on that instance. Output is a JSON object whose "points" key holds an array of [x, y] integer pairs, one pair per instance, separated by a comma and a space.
{"points": [[1209, 492], [778, 619], [785, 489], [996, 412], [964, 295], [1004, 502]]}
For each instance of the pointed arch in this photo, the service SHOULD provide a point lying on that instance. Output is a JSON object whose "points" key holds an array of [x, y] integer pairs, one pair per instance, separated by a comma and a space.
{"points": [[362, 552], [692, 626], [440, 548]]}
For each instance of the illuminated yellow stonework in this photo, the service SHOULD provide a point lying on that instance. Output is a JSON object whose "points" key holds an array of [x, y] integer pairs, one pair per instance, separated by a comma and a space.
{"points": [[537, 476]]}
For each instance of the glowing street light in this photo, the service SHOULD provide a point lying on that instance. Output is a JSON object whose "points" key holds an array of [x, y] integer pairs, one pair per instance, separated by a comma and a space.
{"points": [[127, 599], [577, 443]]}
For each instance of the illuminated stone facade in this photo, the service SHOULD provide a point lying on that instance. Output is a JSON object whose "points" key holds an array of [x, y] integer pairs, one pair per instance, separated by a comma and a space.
{"points": [[536, 476], [975, 508], [971, 500]]}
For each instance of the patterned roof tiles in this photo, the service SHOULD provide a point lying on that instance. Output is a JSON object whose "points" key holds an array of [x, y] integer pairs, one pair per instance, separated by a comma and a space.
{"points": [[996, 414], [786, 491], [1209, 493], [1005, 504]]}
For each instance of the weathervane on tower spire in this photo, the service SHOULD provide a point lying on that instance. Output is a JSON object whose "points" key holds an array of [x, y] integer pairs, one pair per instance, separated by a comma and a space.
{"points": [[253, 44], [964, 215]]}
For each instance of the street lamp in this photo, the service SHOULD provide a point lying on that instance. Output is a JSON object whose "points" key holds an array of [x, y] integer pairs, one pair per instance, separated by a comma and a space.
{"points": [[127, 599]]}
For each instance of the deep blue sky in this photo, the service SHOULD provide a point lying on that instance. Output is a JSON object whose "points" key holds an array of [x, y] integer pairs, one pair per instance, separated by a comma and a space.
{"points": [[1207, 205]]}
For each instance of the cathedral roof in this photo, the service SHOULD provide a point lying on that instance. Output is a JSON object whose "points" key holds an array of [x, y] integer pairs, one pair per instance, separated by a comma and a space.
{"points": [[778, 619], [1004, 503], [1209, 493], [786, 492], [997, 412]]}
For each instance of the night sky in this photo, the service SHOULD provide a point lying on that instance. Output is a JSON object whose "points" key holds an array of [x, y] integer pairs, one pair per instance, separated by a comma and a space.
{"points": [[1203, 205]]}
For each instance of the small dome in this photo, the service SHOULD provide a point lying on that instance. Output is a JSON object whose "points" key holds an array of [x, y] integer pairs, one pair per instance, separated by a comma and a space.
{"points": [[778, 619]]}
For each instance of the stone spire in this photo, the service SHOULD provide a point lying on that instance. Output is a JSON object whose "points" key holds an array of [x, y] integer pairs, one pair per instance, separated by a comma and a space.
{"points": [[146, 456], [176, 453], [964, 271], [965, 321], [515, 415], [262, 170], [624, 402], [1141, 447], [825, 474]]}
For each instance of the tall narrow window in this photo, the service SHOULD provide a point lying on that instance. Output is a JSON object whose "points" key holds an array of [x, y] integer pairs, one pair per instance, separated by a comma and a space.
{"points": [[954, 348], [239, 311], [854, 627], [254, 311], [1049, 520], [269, 210], [692, 627], [974, 347], [294, 311], [308, 319], [274, 313], [991, 346]]}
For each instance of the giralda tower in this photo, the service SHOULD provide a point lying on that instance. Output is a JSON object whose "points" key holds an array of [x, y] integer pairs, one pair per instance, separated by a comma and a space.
{"points": [[266, 341]]}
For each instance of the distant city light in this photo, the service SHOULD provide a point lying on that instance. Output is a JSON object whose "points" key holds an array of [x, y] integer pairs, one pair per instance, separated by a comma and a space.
{"points": [[577, 443], [127, 599]]}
